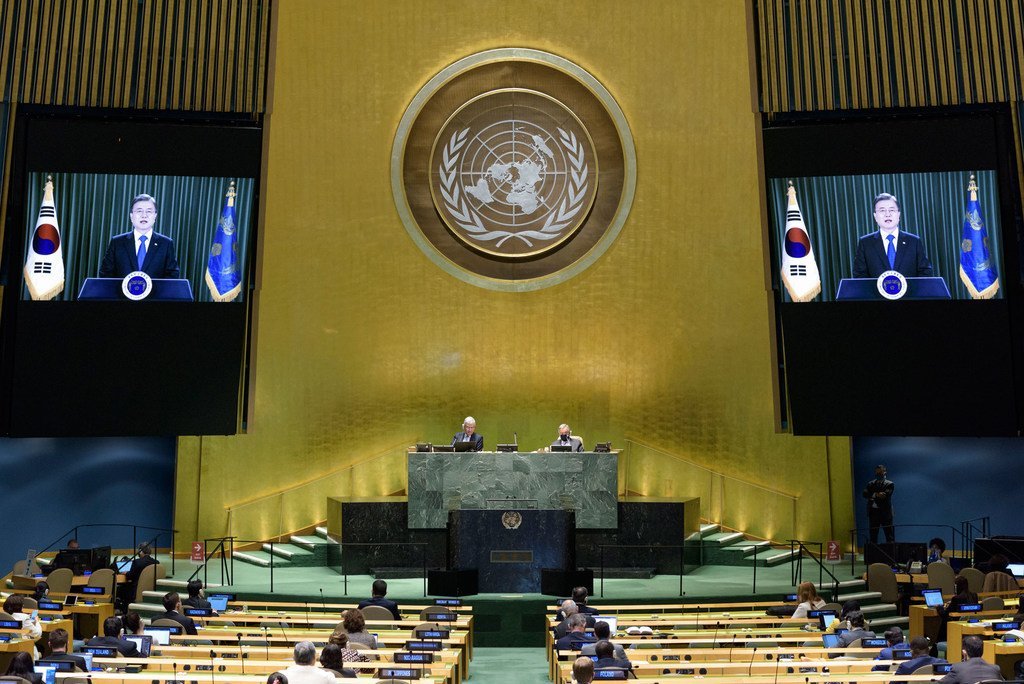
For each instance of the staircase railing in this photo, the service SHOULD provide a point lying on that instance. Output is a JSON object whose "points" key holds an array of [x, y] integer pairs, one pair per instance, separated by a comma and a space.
{"points": [[73, 533], [959, 541], [717, 491], [799, 547]]}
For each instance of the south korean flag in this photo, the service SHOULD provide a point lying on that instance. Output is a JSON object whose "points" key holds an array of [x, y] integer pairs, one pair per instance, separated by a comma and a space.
{"points": [[799, 270], [44, 266]]}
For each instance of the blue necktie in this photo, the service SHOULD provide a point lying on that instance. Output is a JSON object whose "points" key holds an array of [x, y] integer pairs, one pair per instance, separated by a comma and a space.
{"points": [[141, 252], [889, 252]]}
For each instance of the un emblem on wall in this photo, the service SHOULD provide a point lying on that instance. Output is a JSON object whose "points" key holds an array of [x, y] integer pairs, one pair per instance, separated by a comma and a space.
{"points": [[513, 169], [514, 173]]}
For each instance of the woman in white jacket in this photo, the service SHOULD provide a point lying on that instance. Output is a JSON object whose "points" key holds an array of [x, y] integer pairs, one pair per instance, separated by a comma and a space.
{"points": [[809, 600]]}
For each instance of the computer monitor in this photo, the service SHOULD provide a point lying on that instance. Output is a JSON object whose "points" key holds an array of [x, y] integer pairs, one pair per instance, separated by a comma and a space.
{"points": [[88, 659], [49, 674], [932, 597], [100, 558], [826, 618], [561, 447], [612, 620], [160, 635], [1016, 568], [143, 642], [123, 567], [70, 599], [830, 640], [463, 446], [219, 602]]}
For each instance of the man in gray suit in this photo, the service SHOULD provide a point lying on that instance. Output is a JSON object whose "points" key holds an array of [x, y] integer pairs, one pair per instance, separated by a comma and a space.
{"points": [[565, 439], [972, 669]]}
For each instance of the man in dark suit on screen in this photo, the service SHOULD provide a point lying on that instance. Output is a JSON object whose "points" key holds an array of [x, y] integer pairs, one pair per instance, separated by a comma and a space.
{"points": [[469, 434], [889, 248], [141, 249]]}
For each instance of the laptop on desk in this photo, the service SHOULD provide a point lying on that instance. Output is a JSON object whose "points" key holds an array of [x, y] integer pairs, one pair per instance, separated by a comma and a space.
{"points": [[932, 597], [463, 446]]}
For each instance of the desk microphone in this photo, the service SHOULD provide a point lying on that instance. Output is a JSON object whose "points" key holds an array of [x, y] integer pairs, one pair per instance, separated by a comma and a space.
{"points": [[515, 440], [175, 666], [213, 667], [750, 665], [284, 634], [322, 602], [241, 655]]}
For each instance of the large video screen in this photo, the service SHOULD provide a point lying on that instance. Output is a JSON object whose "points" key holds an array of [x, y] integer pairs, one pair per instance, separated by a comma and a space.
{"points": [[108, 226], [895, 271], [127, 272], [944, 226]]}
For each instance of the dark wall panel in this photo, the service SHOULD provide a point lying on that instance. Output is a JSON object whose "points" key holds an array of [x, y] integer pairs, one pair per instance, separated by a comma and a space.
{"points": [[54, 484]]}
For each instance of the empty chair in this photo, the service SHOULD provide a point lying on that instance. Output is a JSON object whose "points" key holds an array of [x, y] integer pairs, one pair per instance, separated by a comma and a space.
{"points": [[104, 578], [975, 579], [161, 571], [882, 579], [377, 613], [999, 581], [431, 610], [60, 580], [30, 603], [992, 603], [941, 576], [147, 582]]}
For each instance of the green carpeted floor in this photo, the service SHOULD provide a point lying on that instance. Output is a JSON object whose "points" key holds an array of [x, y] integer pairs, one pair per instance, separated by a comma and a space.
{"points": [[509, 666]]}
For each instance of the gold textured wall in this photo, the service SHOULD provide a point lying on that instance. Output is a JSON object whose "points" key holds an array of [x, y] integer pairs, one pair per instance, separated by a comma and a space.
{"points": [[362, 343]]}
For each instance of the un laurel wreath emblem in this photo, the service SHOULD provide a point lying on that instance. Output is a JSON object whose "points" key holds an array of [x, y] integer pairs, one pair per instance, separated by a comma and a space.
{"points": [[511, 520], [513, 169], [516, 181]]}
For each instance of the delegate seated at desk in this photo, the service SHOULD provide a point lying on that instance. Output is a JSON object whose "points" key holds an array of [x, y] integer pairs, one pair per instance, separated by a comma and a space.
{"points": [[469, 434], [889, 248], [565, 439]]}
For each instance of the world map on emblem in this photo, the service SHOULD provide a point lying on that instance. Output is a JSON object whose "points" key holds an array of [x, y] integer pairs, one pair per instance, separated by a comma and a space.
{"points": [[513, 173]]}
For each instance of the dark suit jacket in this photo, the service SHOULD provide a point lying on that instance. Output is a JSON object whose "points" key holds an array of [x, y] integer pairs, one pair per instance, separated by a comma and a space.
{"points": [[121, 258], [126, 648], [565, 643], [383, 603], [477, 439], [871, 260], [612, 662], [562, 628], [970, 671], [138, 565], [196, 603], [184, 621], [79, 661], [908, 666]]}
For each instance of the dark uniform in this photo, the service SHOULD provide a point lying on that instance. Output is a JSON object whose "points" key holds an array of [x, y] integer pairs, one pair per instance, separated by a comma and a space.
{"points": [[880, 508]]}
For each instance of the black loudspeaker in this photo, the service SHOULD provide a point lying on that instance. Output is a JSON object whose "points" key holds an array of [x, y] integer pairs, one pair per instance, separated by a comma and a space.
{"points": [[555, 582], [452, 582]]}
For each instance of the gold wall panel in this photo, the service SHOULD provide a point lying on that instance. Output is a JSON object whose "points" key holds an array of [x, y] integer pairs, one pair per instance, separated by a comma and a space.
{"points": [[362, 342]]}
